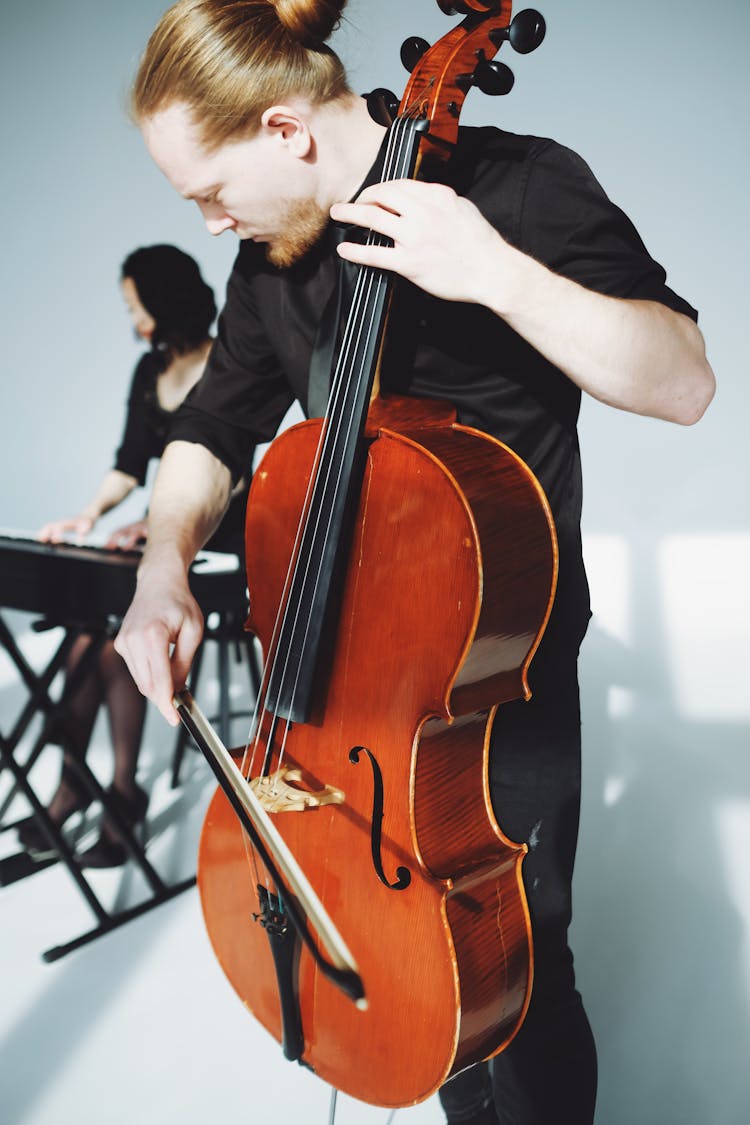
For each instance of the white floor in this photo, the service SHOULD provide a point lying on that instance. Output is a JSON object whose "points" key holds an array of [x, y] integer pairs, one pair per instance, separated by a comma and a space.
{"points": [[139, 1026]]}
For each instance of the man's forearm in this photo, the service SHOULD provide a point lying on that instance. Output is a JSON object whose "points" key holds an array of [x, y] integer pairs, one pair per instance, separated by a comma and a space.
{"points": [[636, 355], [162, 629], [632, 354], [190, 496]]}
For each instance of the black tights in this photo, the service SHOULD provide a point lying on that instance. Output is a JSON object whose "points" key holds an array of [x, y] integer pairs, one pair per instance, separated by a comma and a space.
{"points": [[108, 681], [548, 1073]]}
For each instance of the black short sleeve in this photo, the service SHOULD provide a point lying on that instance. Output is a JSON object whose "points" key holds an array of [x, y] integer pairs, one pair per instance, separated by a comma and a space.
{"points": [[567, 221], [144, 432]]}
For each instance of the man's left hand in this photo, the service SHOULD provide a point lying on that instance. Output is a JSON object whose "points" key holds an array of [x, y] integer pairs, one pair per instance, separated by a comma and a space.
{"points": [[441, 241]]}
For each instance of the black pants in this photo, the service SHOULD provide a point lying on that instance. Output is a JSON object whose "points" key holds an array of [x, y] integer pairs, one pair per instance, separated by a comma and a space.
{"points": [[548, 1073]]}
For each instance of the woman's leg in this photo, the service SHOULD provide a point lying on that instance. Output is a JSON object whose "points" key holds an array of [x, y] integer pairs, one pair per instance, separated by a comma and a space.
{"points": [[76, 725], [127, 713]]}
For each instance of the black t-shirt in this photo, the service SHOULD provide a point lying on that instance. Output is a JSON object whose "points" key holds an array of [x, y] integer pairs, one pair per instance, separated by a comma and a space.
{"points": [[145, 434], [543, 199]]}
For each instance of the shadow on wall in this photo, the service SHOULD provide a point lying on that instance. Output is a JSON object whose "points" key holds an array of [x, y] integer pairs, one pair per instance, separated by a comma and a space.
{"points": [[661, 945]]}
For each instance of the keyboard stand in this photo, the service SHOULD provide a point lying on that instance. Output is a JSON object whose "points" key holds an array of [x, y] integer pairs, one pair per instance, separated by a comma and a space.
{"points": [[40, 703]]}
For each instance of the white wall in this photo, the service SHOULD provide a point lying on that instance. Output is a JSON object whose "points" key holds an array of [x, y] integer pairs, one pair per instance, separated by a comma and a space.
{"points": [[655, 96]]}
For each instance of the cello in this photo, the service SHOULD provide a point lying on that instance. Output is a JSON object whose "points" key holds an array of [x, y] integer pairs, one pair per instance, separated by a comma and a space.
{"points": [[357, 890]]}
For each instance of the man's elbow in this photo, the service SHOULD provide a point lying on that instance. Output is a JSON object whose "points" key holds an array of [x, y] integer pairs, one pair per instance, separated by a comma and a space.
{"points": [[698, 384], [693, 404]]}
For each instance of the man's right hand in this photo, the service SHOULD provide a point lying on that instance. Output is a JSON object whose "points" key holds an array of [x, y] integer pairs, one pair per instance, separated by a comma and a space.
{"points": [[163, 614], [164, 625]]}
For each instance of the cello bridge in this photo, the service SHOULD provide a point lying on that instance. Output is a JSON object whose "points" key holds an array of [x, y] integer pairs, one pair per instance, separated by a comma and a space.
{"points": [[281, 792]]}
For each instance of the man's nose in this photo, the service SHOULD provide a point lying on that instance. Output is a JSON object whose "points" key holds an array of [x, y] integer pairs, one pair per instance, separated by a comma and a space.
{"points": [[215, 217], [219, 225]]}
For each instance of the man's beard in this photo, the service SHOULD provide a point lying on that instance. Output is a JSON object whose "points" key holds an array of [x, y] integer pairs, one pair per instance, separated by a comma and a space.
{"points": [[304, 224]]}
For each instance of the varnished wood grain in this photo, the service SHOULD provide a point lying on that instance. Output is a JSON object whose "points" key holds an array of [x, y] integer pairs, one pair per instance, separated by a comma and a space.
{"points": [[446, 962], [435, 90]]}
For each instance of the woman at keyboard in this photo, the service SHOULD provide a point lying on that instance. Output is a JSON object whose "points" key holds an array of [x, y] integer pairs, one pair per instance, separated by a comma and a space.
{"points": [[172, 309]]}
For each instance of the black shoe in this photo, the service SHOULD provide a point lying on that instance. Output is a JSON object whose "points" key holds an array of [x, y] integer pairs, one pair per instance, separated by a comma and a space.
{"points": [[104, 852], [108, 850], [33, 839], [31, 835]]}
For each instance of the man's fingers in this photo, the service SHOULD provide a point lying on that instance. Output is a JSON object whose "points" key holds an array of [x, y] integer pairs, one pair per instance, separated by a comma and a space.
{"points": [[398, 194], [379, 257], [147, 657], [161, 682], [369, 216], [186, 644]]}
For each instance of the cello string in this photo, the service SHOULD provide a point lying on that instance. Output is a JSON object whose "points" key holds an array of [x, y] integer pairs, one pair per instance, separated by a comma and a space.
{"points": [[314, 559], [327, 438], [326, 462], [378, 280], [258, 727], [367, 280]]}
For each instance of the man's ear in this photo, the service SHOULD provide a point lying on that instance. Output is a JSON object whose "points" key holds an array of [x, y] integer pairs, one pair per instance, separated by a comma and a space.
{"points": [[288, 126]]}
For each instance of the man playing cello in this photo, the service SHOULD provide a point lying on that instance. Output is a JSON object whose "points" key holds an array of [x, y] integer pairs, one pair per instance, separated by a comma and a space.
{"points": [[519, 258]]}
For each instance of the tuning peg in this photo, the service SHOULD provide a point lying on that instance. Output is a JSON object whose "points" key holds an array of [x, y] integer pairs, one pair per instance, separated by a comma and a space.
{"points": [[461, 8], [382, 105], [525, 33], [412, 50], [493, 78], [527, 30]]}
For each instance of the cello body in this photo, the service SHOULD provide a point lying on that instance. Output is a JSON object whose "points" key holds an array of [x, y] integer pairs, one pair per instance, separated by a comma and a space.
{"points": [[449, 580]]}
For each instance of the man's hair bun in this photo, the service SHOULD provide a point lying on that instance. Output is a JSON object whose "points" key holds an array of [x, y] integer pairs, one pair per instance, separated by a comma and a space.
{"points": [[310, 22]]}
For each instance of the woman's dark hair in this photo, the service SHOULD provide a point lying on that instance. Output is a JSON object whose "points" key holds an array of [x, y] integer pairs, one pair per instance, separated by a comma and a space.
{"points": [[171, 288]]}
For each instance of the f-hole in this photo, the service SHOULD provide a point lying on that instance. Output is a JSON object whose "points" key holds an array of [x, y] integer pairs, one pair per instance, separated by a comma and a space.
{"points": [[376, 825]]}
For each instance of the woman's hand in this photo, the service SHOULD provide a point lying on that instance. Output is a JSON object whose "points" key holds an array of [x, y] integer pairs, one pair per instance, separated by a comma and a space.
{"points": [[60, 530], [130, 536], [113, 489]]}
